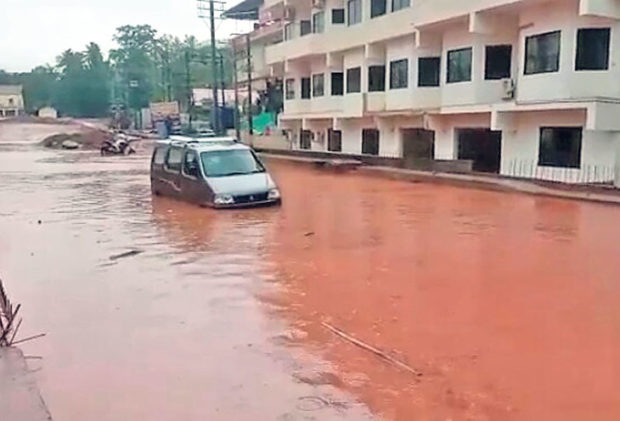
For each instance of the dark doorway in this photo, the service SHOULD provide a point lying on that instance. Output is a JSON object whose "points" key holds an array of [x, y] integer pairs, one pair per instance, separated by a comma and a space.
{"points": [[370, 142], [482, 146], [305, 139], [334, 140], [418, 145]]}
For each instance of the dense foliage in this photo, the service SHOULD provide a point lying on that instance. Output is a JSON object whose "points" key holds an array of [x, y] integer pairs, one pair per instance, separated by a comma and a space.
{"points": [[144, 67]]}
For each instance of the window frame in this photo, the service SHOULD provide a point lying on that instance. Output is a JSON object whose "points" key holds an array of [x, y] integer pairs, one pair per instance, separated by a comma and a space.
{"points": [[318, 21], [496, 75], [468, 77], [579, 67], [358, 12], [305, 27], [289, 31], [316, 77], [289, 94], [397, 72], [436, 60], [402, 4], [377, 8], [309, 90], [358, 70], [528, 40], [340, 92], [344, 16], [542, 162], [380, 80]]}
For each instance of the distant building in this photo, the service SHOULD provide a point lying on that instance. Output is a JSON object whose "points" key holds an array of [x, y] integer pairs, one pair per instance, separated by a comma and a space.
{"points": [[48, 112], [11, 100]]}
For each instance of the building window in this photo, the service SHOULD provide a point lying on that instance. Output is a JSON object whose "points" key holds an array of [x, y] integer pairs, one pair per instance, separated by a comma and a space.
{"points": [[459, 65], [11, 102], [290, 88], [399, 74], [334, 140], [593, 49], [318, 85], [305, 88], [337, 16], [370, 142], [400, 4], [376, 78], [428, 71], [354, 12], [498, 61], [318, 22], [542, 53], [305, 27], [354, 80], [560, 147], [289, 31], [377, 8], [337, 83]]}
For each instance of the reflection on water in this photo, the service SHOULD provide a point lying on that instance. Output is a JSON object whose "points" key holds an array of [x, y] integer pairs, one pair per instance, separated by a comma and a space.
{"points": [[506, 304]]}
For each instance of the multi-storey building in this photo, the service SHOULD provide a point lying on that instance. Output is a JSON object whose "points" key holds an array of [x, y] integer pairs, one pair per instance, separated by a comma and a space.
{"points": [[528, 88], [11, 101]]}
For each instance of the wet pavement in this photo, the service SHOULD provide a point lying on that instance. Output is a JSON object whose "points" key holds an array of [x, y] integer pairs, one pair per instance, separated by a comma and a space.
{"points": [[505, 305]]}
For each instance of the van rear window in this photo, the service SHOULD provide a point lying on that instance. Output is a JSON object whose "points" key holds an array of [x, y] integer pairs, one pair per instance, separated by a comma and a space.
{"points": [[174, 158], [159, 156]]}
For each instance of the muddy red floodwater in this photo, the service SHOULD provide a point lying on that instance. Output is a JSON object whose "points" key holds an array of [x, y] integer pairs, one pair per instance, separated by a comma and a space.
{"points": [[506, 305]]}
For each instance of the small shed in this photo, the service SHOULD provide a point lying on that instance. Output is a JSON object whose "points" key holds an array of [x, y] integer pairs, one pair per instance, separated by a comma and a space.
{"points": [[48, 112]]}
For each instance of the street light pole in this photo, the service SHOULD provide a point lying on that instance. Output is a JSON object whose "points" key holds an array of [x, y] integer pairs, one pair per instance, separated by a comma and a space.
{"points": [[216, 119], [236, 82], [249, 65]]}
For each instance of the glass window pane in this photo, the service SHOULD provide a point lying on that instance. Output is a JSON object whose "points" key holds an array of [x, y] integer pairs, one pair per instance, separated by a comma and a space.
{"points": [[542, 53], [459, 65], [593, 49], [428, 71]]}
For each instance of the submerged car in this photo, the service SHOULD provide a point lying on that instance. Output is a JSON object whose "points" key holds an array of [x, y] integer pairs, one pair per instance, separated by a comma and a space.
{"points": [[215, 172]]}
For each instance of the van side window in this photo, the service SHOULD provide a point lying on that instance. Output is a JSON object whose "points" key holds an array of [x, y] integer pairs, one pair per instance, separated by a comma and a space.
{"points": [[159, 156], [190, 164], [174, 159]]}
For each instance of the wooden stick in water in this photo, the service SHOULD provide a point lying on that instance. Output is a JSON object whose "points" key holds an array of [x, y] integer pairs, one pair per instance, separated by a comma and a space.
{"points": [[370, 348]]}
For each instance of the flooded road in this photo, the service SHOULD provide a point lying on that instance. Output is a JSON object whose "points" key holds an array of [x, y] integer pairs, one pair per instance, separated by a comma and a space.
{"points": [[505, 305]]}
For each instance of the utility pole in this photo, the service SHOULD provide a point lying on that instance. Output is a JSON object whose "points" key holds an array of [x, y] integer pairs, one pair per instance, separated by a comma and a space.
{"points": [[248, 59], [223, 83], [188, 86], [216, 117], [236, 82]]}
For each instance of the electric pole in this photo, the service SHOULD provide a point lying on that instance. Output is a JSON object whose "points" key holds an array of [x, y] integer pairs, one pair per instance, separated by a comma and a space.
{"points": [[215, 110], [188, 85], [248, 59], [236, 82]]}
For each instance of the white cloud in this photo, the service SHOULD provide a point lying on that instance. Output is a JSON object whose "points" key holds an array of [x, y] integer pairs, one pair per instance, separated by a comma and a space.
{"points": [[34, 32]]}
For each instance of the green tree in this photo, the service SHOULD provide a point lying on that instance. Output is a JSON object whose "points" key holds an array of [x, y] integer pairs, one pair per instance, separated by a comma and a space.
{"points": [[134, 61]]}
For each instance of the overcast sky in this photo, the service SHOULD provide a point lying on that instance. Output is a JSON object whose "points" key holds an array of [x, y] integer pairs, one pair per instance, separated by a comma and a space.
{"points": [[34, 32]]}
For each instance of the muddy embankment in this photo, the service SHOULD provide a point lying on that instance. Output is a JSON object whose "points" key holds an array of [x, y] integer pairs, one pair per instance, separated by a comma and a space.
{"points": [[61, 133]]}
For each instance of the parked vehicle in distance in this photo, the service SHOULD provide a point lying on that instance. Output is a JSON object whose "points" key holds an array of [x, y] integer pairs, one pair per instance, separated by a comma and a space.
{"points": [[216, 171]]}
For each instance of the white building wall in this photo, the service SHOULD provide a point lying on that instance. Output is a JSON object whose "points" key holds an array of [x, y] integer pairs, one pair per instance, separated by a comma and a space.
{"points": [[520, 148], [567, 83]]}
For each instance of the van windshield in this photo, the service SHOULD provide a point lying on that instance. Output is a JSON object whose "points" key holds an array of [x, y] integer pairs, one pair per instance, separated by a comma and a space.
{"points": [[228, 163]]}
